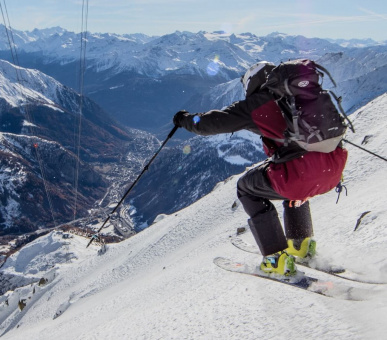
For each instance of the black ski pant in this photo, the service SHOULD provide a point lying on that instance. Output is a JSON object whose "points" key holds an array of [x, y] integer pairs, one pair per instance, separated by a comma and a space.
{"points": [[255, 193]]}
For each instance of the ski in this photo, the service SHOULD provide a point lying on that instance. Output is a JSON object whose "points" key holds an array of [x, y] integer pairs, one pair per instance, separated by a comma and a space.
{"points": [[336, 271], [301, 281]]}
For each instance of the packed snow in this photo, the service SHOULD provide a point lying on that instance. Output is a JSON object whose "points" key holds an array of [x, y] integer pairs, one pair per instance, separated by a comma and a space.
{"points": [[162, 283]]}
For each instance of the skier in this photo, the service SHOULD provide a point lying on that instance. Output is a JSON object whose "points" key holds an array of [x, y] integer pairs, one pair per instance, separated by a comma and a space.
{"points": [[294, 177]]}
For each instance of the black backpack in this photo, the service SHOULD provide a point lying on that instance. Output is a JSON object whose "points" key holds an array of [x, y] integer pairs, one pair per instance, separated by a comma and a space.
{"points": [[312, 119]]}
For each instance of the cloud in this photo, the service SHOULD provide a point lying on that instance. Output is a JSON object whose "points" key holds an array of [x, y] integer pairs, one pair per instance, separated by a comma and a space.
{"points": [[378, 15], [316, 20], [245, 21]]}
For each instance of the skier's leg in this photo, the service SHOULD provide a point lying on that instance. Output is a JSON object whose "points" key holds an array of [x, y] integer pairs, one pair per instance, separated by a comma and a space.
{"points": [[299, 230], [267, 231], [254, 192], [297, 221]]}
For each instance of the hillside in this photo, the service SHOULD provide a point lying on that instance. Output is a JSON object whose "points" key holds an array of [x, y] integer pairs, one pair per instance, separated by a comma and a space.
{"points": [[53, 155], [162, 284]]}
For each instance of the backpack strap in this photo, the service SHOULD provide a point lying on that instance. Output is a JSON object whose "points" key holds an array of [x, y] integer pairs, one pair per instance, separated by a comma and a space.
{"points": [[324, 70], [295, 117], [286, 86], [290, 121], [338, 101], [313, 132]]}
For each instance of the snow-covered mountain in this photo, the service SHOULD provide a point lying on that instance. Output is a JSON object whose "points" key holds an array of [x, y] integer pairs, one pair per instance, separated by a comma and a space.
{"points": [[39, 118], [184, 52], [356, 42], [37, 189], [162, 284], [142, 81], [358, 72], [25, 90]]}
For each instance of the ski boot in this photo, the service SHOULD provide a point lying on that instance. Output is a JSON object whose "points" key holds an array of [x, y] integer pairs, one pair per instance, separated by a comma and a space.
{"points": [[302, 248], [279, 263]]}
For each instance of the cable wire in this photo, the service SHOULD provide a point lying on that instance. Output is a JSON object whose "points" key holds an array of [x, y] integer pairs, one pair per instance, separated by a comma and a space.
{"points": [[82, 69], [25, 109]]}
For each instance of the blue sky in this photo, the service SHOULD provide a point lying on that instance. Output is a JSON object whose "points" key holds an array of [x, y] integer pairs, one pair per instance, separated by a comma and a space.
{"points": [[324, 19]]}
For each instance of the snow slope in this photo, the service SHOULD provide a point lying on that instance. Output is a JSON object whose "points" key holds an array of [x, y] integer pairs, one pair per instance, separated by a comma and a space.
{"points": [[162, 284], [20, 85]]}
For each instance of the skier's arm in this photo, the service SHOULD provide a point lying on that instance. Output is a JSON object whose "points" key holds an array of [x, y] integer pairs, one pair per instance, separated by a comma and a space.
{"points": [[233, 118]]}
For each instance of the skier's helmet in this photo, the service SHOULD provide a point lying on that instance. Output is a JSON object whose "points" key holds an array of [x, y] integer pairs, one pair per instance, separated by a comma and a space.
{"points": [[255, 76]]}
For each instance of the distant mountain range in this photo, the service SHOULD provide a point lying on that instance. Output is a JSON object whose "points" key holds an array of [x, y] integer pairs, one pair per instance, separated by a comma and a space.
{"points": [[142, 81]]}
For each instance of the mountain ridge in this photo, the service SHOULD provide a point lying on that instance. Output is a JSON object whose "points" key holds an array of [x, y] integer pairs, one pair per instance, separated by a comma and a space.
{"points": [[141, 81]]}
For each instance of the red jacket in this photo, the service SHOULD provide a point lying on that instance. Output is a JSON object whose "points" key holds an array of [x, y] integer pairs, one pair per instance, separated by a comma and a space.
{"points": [[311, 174]]}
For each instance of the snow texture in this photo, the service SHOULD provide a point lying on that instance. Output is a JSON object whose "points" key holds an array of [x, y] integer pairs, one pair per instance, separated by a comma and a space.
{"points": [[20, 86], [162, 283]]}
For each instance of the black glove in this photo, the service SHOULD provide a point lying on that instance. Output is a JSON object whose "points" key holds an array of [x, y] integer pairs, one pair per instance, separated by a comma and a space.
{"points": [[179, 116]]}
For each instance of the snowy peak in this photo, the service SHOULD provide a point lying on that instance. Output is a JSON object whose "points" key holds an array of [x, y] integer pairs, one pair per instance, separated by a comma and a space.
{"points": [[185, 51], [21, 86]]}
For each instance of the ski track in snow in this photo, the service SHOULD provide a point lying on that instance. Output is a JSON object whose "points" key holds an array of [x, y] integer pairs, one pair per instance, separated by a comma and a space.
{"points": [[162, 284]]}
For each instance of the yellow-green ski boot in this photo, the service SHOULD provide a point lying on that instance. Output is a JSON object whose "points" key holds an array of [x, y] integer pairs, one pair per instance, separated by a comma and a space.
{"points": [[302, 248], [279, 263]]}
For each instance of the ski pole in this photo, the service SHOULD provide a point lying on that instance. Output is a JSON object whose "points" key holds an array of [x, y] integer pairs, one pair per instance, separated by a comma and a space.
{"points": [[135, 182], [361, 148]]}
